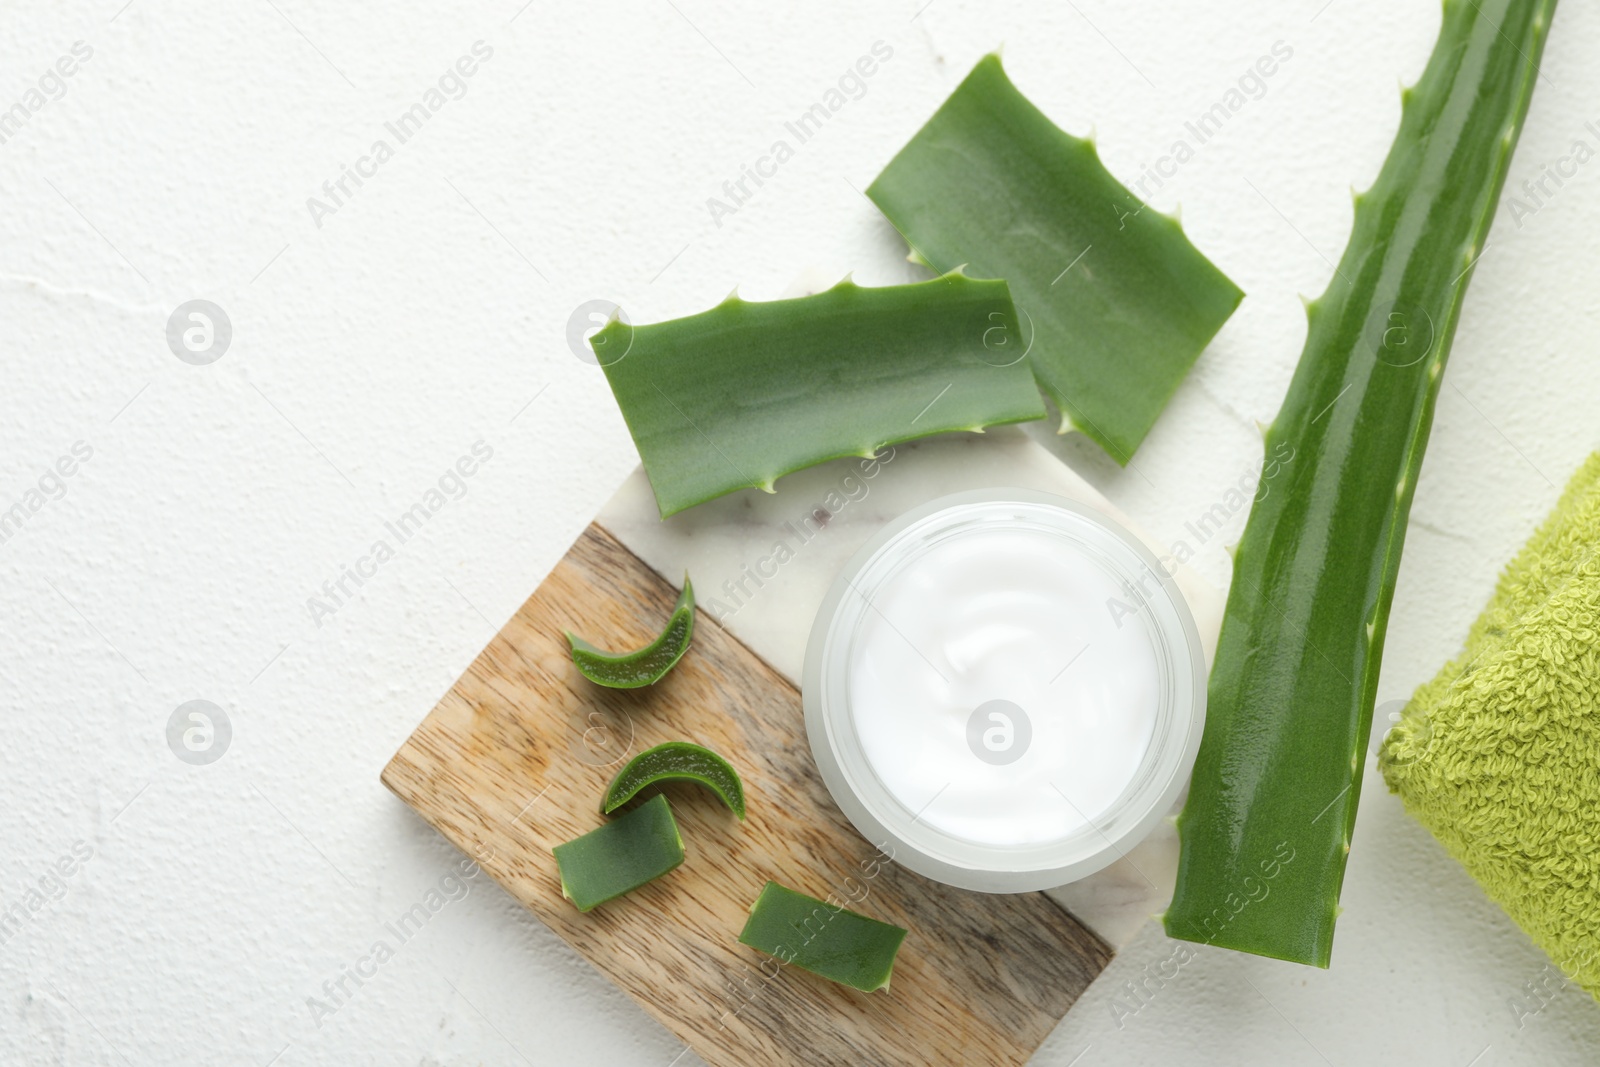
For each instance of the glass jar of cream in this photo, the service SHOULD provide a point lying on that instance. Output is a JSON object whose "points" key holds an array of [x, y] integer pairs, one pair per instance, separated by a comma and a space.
{"points": [[1005, 690]]}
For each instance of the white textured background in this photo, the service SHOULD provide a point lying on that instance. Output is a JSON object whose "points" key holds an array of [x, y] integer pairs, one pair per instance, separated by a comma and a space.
{"points": [[432, 307]]}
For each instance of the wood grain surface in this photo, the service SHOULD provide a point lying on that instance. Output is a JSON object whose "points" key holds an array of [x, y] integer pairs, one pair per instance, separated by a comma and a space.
{"points": [[515, 758]]}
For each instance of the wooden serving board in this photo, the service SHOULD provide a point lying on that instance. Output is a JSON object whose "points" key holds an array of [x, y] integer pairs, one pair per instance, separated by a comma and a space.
{"points": [[515, 758]]}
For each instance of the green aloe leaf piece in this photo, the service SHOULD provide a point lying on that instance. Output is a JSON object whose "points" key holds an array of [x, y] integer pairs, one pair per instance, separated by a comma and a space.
{"points": [[676, 761], [1120, 303], [738, 396], [644, 666], [1296, 673], [620, 856], [834, 942]]}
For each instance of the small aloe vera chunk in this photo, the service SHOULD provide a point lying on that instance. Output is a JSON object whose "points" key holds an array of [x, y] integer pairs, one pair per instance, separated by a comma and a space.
{"points": [[645, 666], [1289, 705], [1121, 304], [812, 934], [620, 856], [677, 761], [738, 396]]}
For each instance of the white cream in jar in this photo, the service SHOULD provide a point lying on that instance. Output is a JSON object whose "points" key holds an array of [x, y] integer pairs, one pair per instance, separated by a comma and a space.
{"points": [[1005, 689]]}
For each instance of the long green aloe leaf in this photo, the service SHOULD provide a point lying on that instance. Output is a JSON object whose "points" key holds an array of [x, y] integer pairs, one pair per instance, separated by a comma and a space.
{"points": [[740, 395], [1116, 302], [1291, 694]]}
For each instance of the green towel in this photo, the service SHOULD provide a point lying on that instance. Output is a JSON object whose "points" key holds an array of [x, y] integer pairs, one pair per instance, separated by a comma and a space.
{"points": [[1499, 756]]}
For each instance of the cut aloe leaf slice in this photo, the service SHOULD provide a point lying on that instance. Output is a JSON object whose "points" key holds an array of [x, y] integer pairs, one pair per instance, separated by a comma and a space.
{"points": [[1117, 303], [738, 396], [620, 856], [645, 666], [812, 934], [677, 761], [1289, 706]]}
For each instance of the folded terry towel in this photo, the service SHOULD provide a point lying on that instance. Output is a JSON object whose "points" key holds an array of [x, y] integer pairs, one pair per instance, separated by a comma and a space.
{"points": [[1499, 755]]}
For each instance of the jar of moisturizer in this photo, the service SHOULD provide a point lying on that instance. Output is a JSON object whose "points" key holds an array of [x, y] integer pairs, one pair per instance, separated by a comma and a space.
{"points": [[1005, 690]]}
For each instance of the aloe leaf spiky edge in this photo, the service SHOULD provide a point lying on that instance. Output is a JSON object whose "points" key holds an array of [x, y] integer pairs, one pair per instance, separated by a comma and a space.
{"points": [[1278, 775], [742, 394]]}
